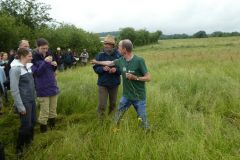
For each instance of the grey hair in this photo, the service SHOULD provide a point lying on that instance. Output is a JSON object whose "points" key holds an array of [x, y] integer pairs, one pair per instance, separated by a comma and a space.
{"points": [[127, 44], [23, 41]]}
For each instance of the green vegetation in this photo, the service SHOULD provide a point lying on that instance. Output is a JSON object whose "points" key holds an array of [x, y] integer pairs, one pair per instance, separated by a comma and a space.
{"points": [[192, 104], [139, 37], [24, 19]]}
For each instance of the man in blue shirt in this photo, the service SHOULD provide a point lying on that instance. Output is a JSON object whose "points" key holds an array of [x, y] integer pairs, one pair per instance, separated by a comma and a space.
{"points": [[108, 77]]}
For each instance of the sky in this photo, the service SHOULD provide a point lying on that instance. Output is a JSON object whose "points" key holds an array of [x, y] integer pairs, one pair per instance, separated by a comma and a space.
{"points": [[169, 16]]}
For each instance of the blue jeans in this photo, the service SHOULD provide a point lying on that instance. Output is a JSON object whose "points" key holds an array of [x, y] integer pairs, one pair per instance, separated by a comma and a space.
{"points": [[140, 107]]}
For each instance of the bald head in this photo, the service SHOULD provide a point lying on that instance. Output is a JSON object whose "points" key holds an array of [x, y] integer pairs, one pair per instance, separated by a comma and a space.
{"points": [[127, 44]]}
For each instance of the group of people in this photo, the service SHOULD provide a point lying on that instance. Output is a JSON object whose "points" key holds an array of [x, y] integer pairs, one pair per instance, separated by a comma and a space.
{"points": [[68, 59], [109, 65], [32, 74]]}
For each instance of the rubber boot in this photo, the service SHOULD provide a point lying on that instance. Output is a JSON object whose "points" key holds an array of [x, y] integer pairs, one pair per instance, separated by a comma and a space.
{"points": [[43, 128], [51, 123]]}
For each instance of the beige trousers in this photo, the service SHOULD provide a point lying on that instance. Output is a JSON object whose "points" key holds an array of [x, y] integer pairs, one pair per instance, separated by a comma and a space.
{"points": [[48, 108]]}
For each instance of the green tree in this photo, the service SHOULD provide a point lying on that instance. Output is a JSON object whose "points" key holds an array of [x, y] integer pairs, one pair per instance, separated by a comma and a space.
{"points": [[10, 33], [69, 36], [29, 12], [128, 33], [142, 37], [154, 37], [200, 34]]}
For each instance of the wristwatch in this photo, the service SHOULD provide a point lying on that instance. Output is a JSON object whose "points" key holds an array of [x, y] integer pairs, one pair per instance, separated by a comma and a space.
{"points": [[137, 79]]}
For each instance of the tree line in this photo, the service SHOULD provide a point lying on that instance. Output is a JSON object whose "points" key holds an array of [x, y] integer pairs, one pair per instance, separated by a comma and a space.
{"points": [[200, 34], [29, 19]]}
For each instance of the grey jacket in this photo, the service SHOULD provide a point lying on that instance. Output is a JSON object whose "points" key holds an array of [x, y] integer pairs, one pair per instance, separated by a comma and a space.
{"points": [[21, 84]]}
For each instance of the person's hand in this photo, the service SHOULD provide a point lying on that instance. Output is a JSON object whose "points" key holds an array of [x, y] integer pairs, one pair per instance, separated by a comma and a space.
{"points": [[54, 63], [112, 70], [48, 59], [106, 68], [93, 61], [23, 113], [131, 76]]}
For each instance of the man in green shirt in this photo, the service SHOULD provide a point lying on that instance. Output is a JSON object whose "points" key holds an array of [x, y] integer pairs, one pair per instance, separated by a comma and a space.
{"points": [[134, 75]]}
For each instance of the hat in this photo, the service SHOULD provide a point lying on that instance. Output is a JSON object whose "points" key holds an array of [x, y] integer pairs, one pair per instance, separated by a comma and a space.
{"points": [[109, 39], [58, 48]]}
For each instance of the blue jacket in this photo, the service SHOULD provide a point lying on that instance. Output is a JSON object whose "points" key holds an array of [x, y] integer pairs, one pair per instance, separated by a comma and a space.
{"points": [[44, 76], [105, 78]]}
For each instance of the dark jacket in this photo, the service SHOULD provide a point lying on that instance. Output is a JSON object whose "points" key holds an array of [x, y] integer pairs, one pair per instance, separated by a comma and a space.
{"points": [[68, 58], [105, 78], [44, 76], [59, 58]]}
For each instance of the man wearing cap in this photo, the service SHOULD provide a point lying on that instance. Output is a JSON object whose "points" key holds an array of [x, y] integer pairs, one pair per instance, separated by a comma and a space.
{"points": [[108, 77], [134, 75]]}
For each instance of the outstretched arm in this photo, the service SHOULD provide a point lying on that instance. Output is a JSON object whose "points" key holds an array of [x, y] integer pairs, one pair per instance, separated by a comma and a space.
{"points": [[104, 63]]}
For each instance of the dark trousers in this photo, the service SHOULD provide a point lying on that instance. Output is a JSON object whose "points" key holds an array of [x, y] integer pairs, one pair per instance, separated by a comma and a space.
{"points": [[103, 94], [67, 65], [27, 122]]}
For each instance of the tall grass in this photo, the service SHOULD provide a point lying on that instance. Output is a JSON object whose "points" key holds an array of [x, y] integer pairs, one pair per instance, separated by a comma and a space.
{"points": [[193, 106]]}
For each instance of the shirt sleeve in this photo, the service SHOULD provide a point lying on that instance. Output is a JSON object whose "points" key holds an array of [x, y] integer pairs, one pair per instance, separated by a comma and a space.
{"points": [[14, 85], [143, 67], [98, 68], [116, 62]]}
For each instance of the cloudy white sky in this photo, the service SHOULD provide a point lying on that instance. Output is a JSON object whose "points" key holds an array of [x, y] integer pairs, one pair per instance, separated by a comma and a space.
{"points": [[169, 16]]}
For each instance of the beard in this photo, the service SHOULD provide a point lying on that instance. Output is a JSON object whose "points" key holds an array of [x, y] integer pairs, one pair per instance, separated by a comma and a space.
{"points": [[108, 50]]}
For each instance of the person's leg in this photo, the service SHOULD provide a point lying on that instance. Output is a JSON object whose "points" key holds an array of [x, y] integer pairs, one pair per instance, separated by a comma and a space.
{"points": [[1, 104], [112, 98], [123, 106], [52, 111], [6, 94], [24, 135], [140, 106], [102, 100], [44, 113], [33, 119], [61, 67]]}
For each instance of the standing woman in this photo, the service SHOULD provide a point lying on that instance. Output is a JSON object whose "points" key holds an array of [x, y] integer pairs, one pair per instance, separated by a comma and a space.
{"points": [[44, 67], [23, 91]]}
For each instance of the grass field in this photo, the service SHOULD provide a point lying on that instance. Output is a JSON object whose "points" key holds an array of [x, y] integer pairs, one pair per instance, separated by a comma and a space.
{"points": [[193, 106]]}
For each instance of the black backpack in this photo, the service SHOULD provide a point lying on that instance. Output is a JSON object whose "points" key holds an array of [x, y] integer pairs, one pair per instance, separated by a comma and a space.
{"points": [[2, 155]]}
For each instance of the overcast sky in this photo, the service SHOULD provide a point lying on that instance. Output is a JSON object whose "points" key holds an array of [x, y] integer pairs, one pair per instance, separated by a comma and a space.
{"points": [[169, 16]]}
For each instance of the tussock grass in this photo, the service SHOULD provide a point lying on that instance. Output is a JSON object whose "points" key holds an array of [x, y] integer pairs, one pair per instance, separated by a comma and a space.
{"points": [[193, 106]]}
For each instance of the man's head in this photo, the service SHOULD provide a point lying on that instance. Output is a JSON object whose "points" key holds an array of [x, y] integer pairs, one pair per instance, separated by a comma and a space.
{"points": [[108, 44], [125, 46], [24, 44], [42, 45]]}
